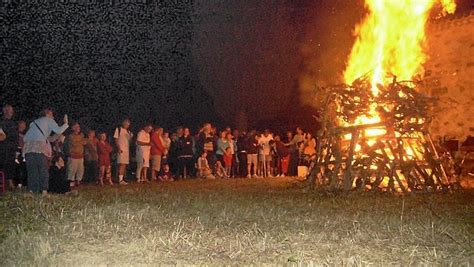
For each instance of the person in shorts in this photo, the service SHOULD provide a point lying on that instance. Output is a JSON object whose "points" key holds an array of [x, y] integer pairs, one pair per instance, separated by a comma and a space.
{"points": [[123, 137], [157, 151], [103, 150], [74, 148], [252, 152], [265, 155]]}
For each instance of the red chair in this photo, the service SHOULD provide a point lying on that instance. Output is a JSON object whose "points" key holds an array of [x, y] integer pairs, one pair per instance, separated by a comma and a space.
{"points": [[2, 182]]}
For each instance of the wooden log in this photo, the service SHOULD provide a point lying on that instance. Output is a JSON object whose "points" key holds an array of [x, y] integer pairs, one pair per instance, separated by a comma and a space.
{"points": [[393, 174], [443, 171], [350, 157]]}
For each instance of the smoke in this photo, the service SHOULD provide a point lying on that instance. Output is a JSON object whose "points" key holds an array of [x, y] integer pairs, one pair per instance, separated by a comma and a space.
{"points": [[326, 45]]}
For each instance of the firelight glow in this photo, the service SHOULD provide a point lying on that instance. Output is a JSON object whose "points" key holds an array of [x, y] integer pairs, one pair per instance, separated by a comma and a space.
{"points": [[390, 40]]}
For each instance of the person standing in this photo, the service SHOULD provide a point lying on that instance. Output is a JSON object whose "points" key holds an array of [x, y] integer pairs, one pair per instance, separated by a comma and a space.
{"points": [[265, 156], [252, 155], [232, 172], [91, 157], [283, 157], [206, 142], [242, 147], [222, 145], [9, 146], [123, 137], [166, 148], [105, 169], [173, 154], [143, 153], [20, 171], [74, 148], [294, 151], [157, 149], [185, 155], [37, 150]]}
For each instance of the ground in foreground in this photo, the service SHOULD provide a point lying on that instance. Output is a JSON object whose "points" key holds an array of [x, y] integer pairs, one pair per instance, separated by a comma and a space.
{"points": [[264, 221]]}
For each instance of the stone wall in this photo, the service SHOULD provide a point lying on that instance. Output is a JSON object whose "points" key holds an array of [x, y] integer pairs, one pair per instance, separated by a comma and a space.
{"points": [[449, 73]]}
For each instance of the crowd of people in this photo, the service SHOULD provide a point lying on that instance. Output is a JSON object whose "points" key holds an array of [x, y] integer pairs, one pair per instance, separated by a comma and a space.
{"points": [[46, 157]]}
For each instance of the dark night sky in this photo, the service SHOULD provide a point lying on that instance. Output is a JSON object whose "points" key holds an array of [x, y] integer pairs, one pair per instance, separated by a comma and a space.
{"points": [[174, 62]]}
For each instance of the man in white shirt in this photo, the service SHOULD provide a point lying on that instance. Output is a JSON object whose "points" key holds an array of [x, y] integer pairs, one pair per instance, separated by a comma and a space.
{"points": [[265, 156], [122, 137], [143, 153]]}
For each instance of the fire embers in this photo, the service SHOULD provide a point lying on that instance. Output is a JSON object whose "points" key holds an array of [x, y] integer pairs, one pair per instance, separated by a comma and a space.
{"points": [[393, 153]]}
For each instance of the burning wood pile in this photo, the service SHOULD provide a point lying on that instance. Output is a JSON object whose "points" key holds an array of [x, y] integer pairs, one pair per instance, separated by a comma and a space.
{"points": [[374, 132], [395, 153]]}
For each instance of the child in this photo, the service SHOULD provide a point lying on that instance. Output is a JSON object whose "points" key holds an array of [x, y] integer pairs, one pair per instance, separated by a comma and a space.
{"points": [[220, 170], [57, 177], [166, 175], [228, 160], [104, 149], [204, 170]]}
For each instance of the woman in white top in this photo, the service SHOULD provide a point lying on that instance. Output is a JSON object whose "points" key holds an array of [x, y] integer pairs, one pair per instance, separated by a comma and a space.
{"points": [[143, 153]]}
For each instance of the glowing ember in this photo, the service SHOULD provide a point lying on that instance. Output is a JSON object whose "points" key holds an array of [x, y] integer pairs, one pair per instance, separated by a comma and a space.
{"points": [[390, 42]]}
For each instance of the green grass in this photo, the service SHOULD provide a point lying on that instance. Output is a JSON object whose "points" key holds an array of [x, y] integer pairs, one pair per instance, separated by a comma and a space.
{"points": [[235, 222]]}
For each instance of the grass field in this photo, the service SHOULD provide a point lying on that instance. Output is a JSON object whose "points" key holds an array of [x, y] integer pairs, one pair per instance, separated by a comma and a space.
{"points": [[235, 222]]}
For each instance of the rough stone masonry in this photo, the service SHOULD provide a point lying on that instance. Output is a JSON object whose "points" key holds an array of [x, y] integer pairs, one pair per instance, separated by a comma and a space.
{"points": [[449, 73]]}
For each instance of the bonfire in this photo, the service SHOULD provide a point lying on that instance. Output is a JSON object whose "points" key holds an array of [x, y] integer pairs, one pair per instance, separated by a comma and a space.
{"points": [[375, 126]]}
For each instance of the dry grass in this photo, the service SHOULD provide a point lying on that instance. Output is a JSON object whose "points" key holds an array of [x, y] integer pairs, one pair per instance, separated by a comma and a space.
{"points": [[235, 222]]}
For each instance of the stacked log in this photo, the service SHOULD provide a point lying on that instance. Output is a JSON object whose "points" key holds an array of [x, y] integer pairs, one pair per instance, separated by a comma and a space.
{"points": [[404, 159]]}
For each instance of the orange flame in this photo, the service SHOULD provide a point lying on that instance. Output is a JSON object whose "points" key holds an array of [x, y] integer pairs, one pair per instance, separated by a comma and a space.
{"points": [[391, 39]]}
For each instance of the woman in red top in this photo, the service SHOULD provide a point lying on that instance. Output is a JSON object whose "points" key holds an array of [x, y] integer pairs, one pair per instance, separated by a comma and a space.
{"points": [[103, 150]]}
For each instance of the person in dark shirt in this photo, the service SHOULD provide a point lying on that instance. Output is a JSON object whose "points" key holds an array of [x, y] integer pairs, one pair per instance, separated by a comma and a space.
{"points": [[207, 142], [20, 167], [242, 147], [252, 151], [283, 156], [57, 176], [9, 146], [185, 155]]}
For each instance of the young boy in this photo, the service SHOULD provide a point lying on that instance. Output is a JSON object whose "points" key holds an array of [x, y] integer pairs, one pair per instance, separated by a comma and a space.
{"points": [[104, 149], [74, 148]]}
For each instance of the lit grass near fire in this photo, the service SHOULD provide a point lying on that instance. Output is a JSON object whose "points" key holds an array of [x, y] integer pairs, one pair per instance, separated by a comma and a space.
{"points": [[240, 221]]}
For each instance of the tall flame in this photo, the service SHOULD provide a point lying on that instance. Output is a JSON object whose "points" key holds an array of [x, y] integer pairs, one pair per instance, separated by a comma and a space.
{"points": [[390, 39]]}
